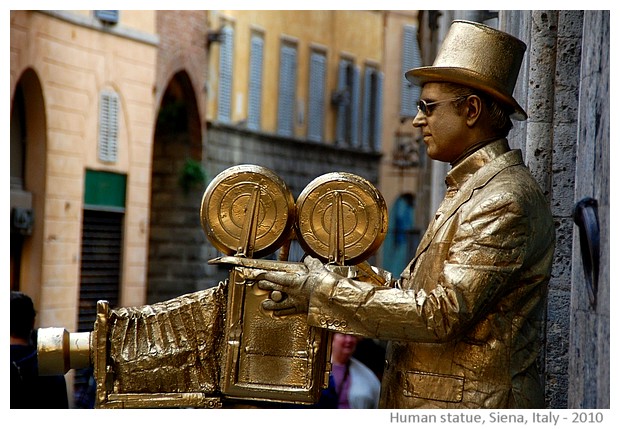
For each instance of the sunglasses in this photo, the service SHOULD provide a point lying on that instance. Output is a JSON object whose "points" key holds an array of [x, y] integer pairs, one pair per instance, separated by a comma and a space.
{"points": [[425, 107]]}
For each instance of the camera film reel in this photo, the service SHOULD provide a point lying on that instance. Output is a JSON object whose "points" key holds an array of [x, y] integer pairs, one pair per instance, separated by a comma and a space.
{"points": [[341, 218], [247, 210]]}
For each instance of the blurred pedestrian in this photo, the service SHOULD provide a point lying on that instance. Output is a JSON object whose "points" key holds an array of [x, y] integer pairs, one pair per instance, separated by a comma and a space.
{"points": [[352, 384], [28, 389]]}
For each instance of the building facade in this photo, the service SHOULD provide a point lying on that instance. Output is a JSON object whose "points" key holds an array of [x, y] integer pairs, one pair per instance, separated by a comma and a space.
{"points": [[402, 155], [81, 141], [289, 91]]}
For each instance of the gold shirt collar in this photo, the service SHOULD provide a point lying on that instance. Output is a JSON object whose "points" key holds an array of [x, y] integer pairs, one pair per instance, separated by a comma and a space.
{"points": [[467, 166]]}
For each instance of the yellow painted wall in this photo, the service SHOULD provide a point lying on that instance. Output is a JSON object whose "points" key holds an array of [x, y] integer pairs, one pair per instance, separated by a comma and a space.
{"points": [[139, 20], [74, 63], [355, 33]]}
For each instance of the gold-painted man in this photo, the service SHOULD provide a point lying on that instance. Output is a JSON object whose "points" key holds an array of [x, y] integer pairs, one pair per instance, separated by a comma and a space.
{"points": [[464, 319]]}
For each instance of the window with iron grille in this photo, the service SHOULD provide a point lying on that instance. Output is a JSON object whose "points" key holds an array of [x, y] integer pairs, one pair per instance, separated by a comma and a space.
{"points": [[346, 100], [255, 89], [410, 93], [371, 109], [224, 105], [316, 96], [287, 89], [108, 126]]}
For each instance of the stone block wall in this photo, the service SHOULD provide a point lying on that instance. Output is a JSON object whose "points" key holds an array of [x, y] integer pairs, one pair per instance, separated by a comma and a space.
{"points": [[589, 348], [564, 86]]}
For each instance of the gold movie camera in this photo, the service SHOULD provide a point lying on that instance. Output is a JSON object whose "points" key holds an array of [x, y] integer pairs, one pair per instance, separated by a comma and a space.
{"points": [[219, 345]]}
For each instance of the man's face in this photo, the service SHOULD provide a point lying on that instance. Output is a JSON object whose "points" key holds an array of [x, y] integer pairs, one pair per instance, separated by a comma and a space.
{"points": [[443, 125]]}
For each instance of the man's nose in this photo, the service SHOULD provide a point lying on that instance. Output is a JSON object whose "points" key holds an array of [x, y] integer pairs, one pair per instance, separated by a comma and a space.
{"points": [[419, 119]]}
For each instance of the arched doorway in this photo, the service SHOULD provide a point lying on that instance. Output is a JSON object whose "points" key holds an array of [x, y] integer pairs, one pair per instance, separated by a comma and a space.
{"points": [[176, 238], [28, 172]]}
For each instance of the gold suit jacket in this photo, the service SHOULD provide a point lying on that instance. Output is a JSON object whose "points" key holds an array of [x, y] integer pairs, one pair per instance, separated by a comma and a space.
{"points": [[464, 319]]}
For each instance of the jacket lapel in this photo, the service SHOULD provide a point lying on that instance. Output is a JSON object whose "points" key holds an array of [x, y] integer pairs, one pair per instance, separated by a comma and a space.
{"points": [[477, 181]]}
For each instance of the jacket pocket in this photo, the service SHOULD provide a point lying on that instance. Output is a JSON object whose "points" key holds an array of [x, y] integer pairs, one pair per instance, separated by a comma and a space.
{"points": [[436, 387]]}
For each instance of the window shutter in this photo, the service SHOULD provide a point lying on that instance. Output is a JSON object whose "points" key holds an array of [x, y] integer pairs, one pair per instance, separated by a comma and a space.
{"points": [[226, 75], [366, 108], [286, 99], [378, 123], [256, 82], [355, 110], [316, 97], [372, 109], [342, 108], [108, 126], [410, 93]]}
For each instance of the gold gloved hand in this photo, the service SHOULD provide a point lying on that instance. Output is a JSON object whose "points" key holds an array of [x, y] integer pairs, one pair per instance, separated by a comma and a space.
{"points": [[290, 292]]}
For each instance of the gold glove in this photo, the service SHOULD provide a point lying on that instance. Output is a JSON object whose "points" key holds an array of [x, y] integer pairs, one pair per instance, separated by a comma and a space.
{"points": [[290, 291]]}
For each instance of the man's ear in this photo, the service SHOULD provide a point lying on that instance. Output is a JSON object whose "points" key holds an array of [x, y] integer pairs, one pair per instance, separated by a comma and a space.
{"points": [[474, 109]]}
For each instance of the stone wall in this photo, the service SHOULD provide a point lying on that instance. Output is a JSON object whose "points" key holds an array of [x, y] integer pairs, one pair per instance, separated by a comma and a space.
{"points": [[296, 161], [182, 46], [176, 245], [548, 139], [589, 349], [564, 87]]}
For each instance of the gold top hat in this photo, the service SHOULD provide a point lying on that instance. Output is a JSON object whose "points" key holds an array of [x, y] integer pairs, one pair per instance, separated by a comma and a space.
{"points": [[478, 56]]}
